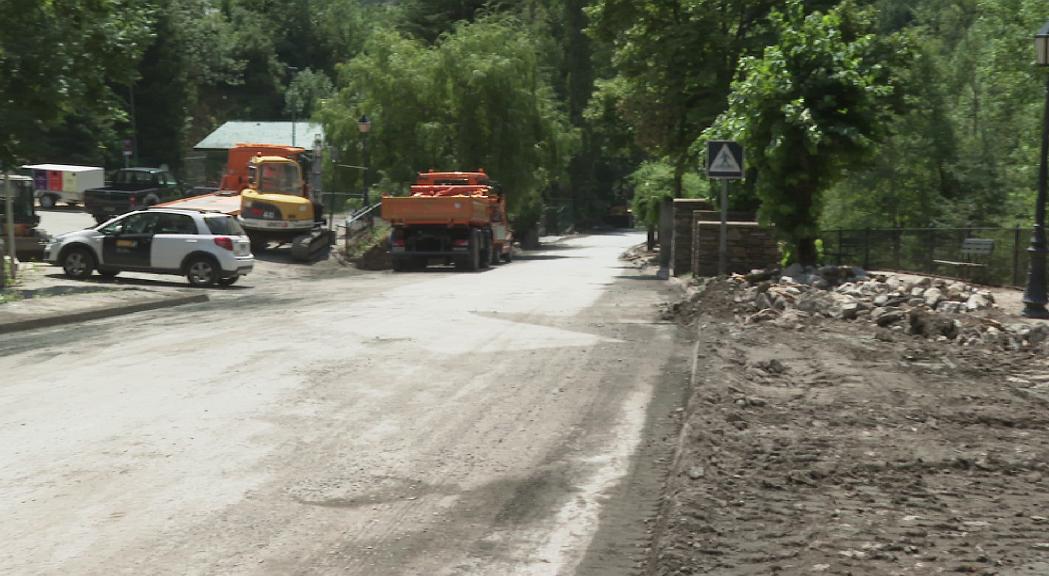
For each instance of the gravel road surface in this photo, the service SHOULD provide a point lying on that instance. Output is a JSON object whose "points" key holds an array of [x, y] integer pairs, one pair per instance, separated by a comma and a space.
{"points": [[432, 423]]}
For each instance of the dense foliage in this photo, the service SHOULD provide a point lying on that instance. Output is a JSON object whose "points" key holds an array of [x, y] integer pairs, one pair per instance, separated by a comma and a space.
{"points": [[808, 109], [578, 106]]}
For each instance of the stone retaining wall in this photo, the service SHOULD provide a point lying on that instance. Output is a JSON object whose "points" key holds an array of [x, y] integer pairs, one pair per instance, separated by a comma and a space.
{"points": [[750, 246]]}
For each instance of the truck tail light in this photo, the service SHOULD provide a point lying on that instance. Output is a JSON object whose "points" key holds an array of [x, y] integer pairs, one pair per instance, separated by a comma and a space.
{"points": [[224, 242], [398, 243], [132, 202]]}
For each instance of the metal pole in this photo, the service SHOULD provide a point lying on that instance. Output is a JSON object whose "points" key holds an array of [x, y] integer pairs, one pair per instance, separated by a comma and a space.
{"points": [[723, 240], [367, 160], [9, 224], [1035, 296], [1016, 256], [666, 237], [134, 128]]}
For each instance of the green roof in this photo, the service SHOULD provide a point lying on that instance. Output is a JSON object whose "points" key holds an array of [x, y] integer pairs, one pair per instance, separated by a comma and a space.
{"points": [[278, 133]]}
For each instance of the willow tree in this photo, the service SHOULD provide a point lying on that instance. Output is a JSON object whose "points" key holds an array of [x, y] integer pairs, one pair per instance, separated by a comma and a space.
{"points": [[478, 98], [813, 105]]}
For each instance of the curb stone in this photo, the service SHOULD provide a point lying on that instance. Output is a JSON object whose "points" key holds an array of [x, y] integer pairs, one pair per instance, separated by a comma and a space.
{"points": [[100, 312]]}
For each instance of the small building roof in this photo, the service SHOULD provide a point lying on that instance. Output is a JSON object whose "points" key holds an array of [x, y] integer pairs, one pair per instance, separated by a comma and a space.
{"points": [[279, 133], [61, 167]]}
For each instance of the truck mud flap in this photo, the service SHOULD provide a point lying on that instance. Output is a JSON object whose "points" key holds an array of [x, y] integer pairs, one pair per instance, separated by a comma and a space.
{"points": [[305, 246]]}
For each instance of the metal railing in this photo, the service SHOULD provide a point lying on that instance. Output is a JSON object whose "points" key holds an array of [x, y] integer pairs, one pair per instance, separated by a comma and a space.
{"points": [[918, 250]]}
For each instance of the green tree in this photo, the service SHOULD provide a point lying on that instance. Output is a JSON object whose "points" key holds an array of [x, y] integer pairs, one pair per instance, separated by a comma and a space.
{"points": [[57, 57], [809, 108], [674, 62], [478, 98], [306, 92]]}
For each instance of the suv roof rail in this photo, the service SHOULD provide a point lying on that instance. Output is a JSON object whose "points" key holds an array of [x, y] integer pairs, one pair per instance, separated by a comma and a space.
{"points": [[184, 209]]}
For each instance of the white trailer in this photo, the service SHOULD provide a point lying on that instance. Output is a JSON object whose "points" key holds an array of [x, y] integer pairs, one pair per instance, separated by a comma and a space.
{"points": [[60, 182]]}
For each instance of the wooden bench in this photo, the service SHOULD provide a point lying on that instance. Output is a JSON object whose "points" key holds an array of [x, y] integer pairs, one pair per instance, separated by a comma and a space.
{"points": [[975, 253]]}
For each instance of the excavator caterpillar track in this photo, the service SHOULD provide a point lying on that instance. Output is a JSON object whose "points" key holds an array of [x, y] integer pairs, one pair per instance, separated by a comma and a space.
{"points": [[304, 247]]}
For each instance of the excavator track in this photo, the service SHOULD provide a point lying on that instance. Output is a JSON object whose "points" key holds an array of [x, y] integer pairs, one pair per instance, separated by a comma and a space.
{"points": [[304, 247]]}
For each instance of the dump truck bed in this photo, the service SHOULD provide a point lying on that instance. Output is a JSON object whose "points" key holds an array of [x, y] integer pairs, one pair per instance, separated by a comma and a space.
{"points": [[223, 201], [445, 210]]}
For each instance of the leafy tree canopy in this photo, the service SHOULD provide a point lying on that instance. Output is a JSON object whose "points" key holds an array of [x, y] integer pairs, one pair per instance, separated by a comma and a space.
{"points": [[810, 107]]}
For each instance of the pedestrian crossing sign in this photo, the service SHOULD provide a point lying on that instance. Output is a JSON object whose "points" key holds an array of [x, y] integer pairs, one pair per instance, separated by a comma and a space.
{"points": [[724, 160]]}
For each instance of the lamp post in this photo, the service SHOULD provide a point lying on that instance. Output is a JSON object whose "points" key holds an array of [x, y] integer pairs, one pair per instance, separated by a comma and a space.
{"points": [[293, 102], [1035, 297], [364, 125]]}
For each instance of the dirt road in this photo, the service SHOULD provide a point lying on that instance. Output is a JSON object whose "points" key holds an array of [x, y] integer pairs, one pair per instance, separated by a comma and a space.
{"points": [[434, 423]]}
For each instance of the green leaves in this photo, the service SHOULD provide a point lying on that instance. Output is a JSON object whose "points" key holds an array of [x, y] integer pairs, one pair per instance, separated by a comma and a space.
{"points": [[56, 57], [478, 98], [807, 110]]}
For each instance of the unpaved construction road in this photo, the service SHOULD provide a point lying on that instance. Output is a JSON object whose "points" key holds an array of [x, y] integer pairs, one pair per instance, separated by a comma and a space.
{"points": [[432, 423]]}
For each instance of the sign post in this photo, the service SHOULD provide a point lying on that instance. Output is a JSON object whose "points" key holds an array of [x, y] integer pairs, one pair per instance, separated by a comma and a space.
{"points": [[724, 162], [127, 152]]}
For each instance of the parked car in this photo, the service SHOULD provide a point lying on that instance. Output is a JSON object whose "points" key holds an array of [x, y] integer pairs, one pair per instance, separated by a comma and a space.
{"points": [[205, 247], [131, 189]]}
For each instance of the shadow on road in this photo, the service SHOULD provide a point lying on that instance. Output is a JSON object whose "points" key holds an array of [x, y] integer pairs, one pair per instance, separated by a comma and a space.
{"points": [[282, 255], [118, 282], [641, 277], [526, 257]]}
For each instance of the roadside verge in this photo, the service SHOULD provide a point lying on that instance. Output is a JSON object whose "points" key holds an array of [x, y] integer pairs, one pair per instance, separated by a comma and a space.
{"points": [[59, 310]]}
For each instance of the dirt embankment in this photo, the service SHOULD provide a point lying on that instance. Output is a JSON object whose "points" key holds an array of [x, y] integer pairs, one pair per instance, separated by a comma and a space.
{"points": [[823, 446]]}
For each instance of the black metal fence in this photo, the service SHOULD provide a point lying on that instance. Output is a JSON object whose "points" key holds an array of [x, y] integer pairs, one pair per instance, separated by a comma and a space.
{"points": [[918, 250]]}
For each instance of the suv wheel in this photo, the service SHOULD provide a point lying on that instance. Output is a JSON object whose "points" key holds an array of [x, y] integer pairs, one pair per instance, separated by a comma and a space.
{"points": [[229, 281], [201, 271], [78, 263]]}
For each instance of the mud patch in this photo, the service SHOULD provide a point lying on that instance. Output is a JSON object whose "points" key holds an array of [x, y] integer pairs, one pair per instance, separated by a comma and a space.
{"points": [[822, 449]]}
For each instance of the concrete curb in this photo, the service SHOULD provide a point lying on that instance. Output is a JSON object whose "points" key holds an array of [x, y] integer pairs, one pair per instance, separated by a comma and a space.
{"points": [[100, 312]]}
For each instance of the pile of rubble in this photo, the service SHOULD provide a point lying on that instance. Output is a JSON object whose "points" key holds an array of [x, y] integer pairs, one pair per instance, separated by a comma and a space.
{"points": [[934, 308]]}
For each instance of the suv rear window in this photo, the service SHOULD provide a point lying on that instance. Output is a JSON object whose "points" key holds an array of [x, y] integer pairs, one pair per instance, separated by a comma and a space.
{"points": [[224, 226]]}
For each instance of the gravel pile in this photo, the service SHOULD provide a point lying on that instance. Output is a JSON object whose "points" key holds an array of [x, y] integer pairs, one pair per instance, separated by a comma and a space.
{"points": [[938, 309]]}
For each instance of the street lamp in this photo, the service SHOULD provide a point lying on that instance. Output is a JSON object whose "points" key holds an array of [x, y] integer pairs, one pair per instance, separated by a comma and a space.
{"points": [[293, 103], [1035, 297], [364, 125]]}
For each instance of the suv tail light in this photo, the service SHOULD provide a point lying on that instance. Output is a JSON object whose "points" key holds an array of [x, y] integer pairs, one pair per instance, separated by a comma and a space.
{"points": [[224, 242], [131, 202], [460, 243]]}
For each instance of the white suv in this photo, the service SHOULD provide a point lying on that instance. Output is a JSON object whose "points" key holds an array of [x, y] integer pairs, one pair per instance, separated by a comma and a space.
{"points": [[205, 247]]}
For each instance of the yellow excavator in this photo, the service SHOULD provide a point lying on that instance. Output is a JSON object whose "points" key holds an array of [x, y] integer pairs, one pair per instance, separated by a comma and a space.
{"points": [[275, 205]]}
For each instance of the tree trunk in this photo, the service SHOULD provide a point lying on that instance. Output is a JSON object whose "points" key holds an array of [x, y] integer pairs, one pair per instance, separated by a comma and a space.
{"points": [[807, 255], [679, 177], [651, 241]]}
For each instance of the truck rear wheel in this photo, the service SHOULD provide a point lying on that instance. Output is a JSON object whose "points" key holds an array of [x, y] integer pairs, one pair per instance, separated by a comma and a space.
{"points": [[495, 253], [486, 251], [472, 261]]}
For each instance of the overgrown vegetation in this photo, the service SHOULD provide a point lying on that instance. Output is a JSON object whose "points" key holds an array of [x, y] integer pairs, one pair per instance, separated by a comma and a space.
{"points": [[578, 106]]}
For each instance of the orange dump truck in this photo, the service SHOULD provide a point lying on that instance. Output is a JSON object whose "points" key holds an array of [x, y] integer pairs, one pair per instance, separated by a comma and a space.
{"points": [[451, 217]]}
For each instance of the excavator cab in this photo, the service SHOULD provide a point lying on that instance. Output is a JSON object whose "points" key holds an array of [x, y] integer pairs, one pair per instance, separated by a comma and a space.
{"points": [[275, 178], [275, 207]]}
